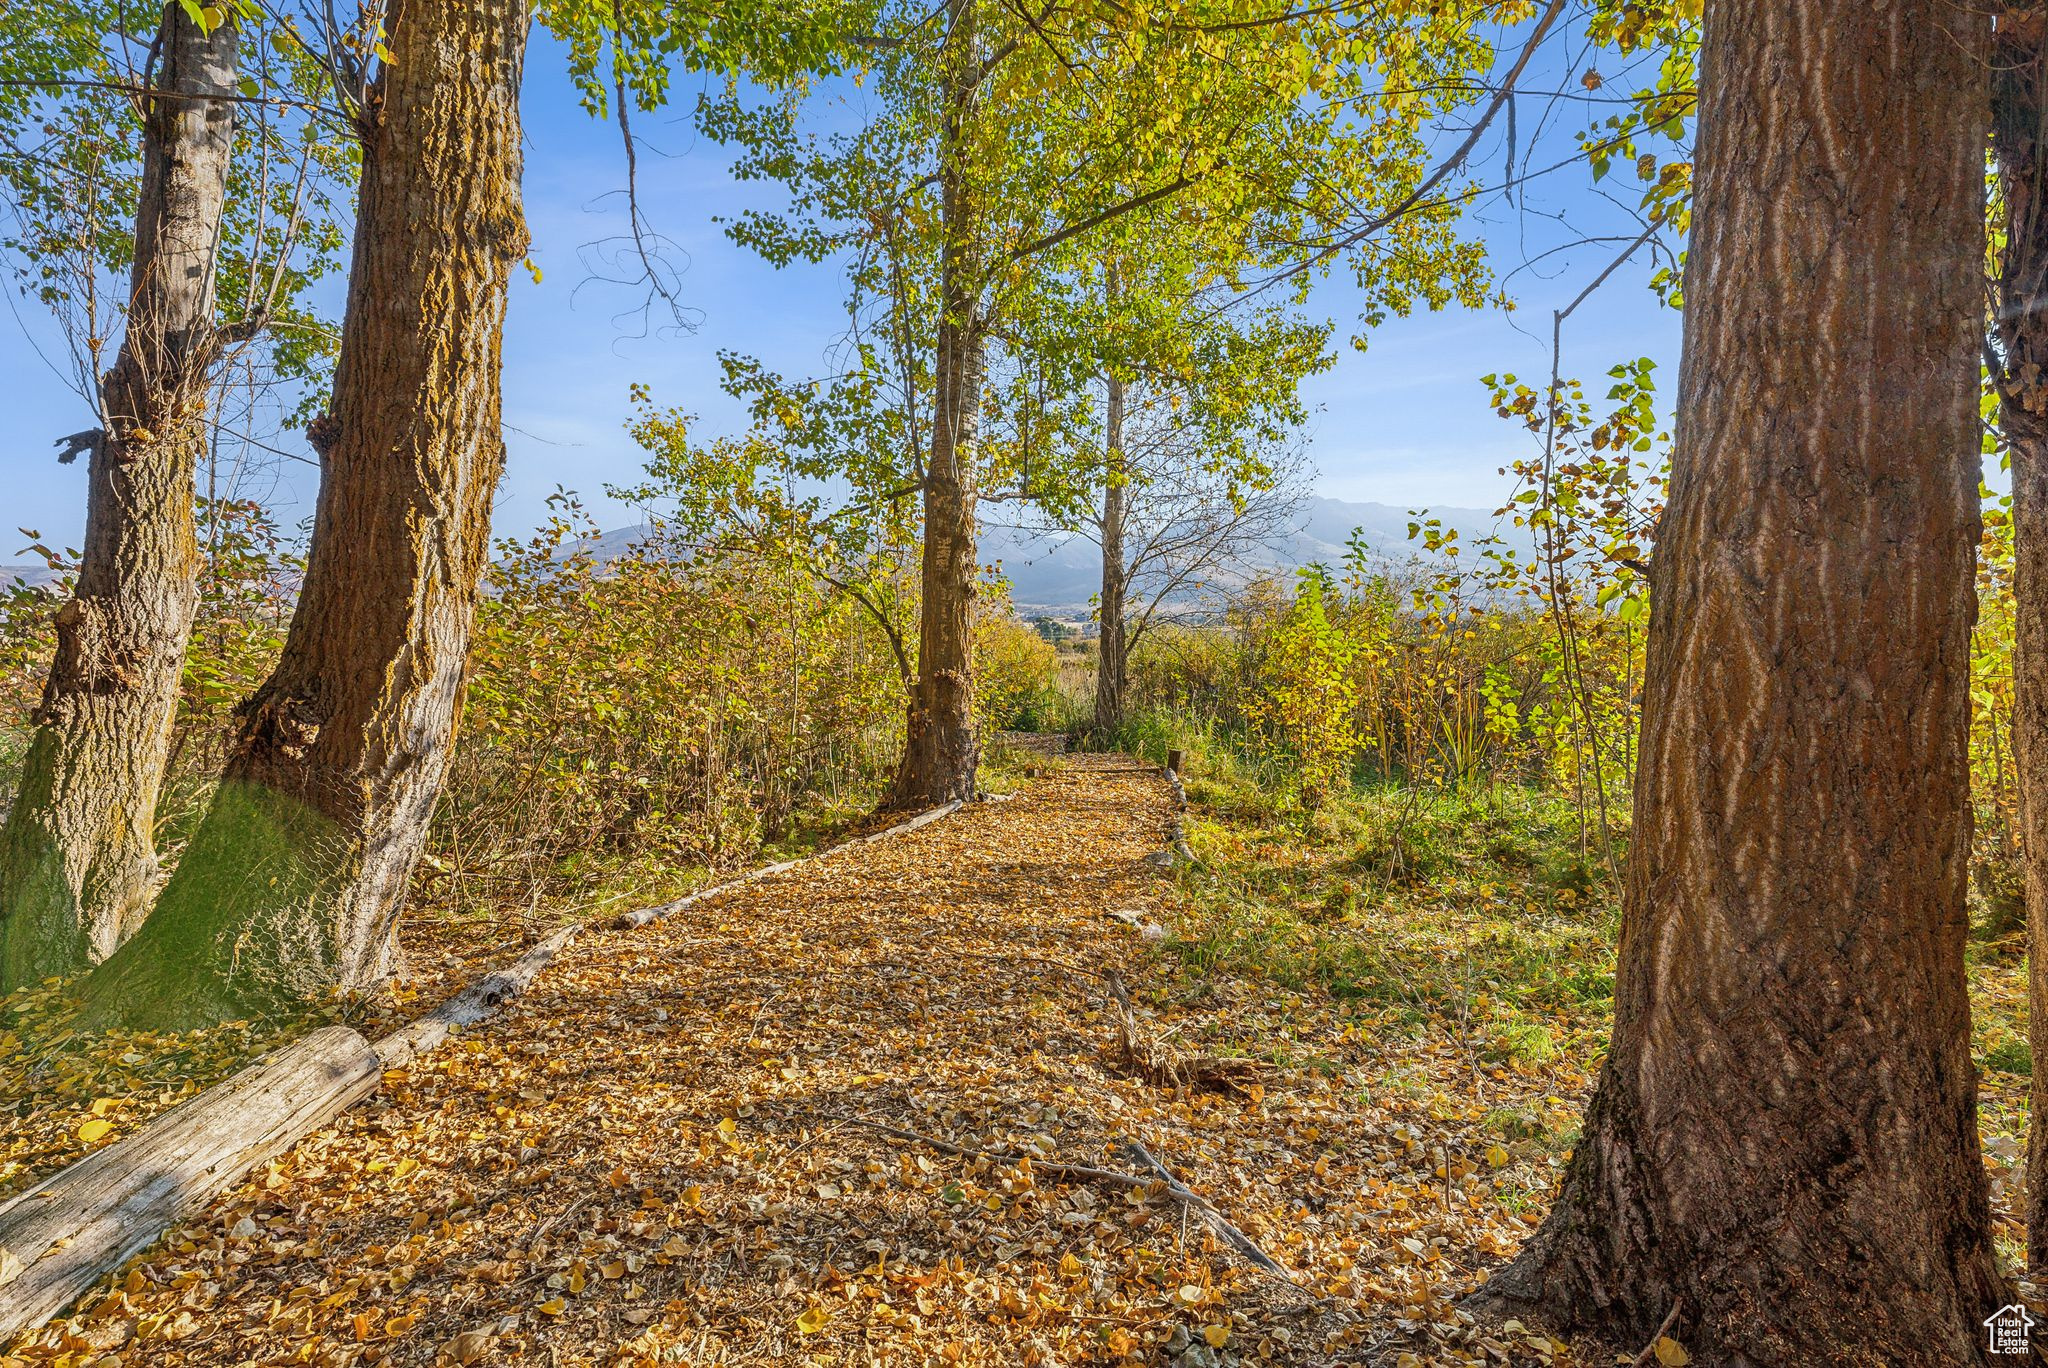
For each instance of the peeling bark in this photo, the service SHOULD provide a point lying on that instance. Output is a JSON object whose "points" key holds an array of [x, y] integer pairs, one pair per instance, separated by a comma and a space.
{"points": [[77, 854], [1783, 1139], [293, 884]]}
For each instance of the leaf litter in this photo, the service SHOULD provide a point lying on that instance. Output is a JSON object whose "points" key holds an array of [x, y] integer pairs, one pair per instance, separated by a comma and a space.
{"points": [[925, 1102]]}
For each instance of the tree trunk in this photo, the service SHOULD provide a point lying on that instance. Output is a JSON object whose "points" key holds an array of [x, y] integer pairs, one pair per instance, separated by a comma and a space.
{"points": [[77, 855], [2019, 124], [1783, 1140], [1112, 666], [941, 749], [293, 883]]}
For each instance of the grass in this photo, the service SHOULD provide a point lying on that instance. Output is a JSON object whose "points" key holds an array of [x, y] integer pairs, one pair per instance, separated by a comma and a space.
{"points": [[1476, 907], [1475, 912]]}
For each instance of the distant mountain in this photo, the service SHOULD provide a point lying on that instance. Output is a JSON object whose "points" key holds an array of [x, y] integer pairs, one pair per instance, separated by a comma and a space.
{"points": [[35, 576], [1060, 575]]}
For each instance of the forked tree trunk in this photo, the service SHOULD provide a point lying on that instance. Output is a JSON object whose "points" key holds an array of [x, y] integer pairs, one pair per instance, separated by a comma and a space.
{"points": [[1112, 656], [2019, 127], [941, 749], [77, 857], [1783, 1140], [294, 881]]}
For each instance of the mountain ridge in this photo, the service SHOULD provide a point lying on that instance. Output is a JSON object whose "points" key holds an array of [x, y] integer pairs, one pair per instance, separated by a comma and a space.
{"points": [[1061, 575]]}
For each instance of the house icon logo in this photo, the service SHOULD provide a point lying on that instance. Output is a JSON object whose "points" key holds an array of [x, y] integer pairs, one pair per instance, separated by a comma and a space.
{"points": [[2008, 1328]]}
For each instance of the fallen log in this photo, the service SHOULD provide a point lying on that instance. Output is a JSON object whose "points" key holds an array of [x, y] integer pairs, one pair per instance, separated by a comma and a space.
{"points": [[654, 914], [475, 1003], [923, 819], [642, 916], [85, 1221]]}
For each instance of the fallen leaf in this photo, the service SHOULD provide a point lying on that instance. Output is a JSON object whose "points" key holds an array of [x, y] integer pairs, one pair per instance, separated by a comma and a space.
{"points": [[469, 1346]]}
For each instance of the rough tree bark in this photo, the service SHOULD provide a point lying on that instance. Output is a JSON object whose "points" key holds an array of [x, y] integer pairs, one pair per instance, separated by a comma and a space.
{"points": [[293, 883], [1112, 667], [77, 855], [1783, 1141], [941, 749]]}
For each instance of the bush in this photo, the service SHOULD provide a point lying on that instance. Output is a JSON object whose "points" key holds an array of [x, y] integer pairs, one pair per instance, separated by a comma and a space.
{"points": [[657, 708], [1016, 675]]}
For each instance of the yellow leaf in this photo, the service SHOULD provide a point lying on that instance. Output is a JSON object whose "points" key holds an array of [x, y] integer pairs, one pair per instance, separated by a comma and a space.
{"points": [[94, 1130], [553, 1306], [1218, 1335], [813, 1320], [1496, 1156], [1670, 1353]]}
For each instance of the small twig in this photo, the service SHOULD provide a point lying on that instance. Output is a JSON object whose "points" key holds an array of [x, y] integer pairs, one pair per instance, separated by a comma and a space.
{"points": [[1163, 1067], [1650, 1350], [1162, 1183], [1077, 1172], [766, 1002], [1218, 1222]]}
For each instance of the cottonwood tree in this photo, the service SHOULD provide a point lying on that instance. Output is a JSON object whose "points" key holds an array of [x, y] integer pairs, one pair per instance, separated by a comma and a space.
{"points": [[229, 182], [1782, 1144], [1002, 136], [293, 884], [1190, 468], [1179, 475], [293, 881], [1173, 517]]}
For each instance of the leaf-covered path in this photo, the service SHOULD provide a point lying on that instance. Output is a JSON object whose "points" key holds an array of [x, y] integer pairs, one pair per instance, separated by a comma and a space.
{"points": [[673, 1149]]}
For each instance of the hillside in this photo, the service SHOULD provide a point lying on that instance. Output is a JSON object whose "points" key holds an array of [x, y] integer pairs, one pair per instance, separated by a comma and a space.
{"points": [[1060, 575], [1063, 576]]}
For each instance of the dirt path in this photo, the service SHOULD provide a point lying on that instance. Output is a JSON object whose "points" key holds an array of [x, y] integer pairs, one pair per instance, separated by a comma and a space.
{"points": [[657, 1156]]}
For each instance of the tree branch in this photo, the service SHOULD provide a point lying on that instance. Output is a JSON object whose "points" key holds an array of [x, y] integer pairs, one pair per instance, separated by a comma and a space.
{"points": [[1178, 184]]}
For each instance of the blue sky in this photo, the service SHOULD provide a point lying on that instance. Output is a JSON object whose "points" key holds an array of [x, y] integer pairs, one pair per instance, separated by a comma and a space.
{"points": [[1403, 423]]}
